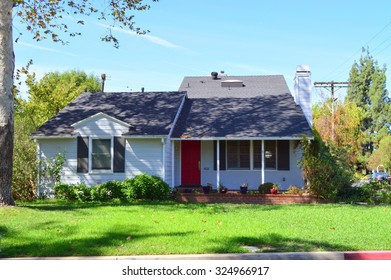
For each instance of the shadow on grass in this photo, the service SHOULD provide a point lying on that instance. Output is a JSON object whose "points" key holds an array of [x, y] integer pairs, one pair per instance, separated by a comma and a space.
{"points": [[113, 242], [273, 242]]}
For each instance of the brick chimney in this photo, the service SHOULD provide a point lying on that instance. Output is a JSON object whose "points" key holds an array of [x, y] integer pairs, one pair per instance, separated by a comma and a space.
{"points": [[303, 90]]}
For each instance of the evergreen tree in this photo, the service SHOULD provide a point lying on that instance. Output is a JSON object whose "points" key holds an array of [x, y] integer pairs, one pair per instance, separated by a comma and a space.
{"points": [[368, 91]]}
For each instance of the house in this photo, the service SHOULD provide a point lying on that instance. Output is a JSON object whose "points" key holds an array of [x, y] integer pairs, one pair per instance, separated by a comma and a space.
{"points": [[215, 129]]}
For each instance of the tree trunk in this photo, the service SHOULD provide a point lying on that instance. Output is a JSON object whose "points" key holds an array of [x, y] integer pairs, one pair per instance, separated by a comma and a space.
{"points": [[7, 63]]}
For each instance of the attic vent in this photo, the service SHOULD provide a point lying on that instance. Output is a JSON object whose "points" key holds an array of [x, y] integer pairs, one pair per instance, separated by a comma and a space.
{"points": [[232, 83]]}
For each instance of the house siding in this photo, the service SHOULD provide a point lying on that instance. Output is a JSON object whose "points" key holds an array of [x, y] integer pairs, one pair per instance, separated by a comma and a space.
{"points": [[232, 179], [100, 127]]}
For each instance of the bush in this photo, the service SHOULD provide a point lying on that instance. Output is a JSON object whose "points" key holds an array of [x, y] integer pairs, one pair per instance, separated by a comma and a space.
{"points": [[107, 191], [294, 190], [140, 187], [325, 168], [72, 192], [265, 187], [144, 186], [375, 192]]}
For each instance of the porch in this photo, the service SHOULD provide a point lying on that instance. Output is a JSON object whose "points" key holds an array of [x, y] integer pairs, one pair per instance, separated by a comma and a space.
{"points": [[233, 162]]}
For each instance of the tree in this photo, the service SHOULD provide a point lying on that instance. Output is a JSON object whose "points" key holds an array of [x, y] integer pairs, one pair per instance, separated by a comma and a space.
{"points": [[368, 90], [53, 92], [46, 98], [43, 19], [347, 120], [382, 156]]}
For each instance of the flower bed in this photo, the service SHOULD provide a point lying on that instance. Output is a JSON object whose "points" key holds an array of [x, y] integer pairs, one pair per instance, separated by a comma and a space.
{"points": [[255, 198]]}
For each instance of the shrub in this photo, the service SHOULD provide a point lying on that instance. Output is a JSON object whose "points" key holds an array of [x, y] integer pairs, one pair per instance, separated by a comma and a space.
{"points": [[265, 187], [294, 190], [144, 186], [375, 192], [72, 192], [107, 191], [325, 168]]}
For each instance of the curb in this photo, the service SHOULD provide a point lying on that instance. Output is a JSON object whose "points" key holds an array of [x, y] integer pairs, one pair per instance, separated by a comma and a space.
{"points": [[353, 255]]}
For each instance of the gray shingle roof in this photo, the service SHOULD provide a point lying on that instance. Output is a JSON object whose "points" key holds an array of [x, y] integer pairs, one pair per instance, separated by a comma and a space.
{"points": [[272, 116], [150, 113], [253, 86], [262, 107]]}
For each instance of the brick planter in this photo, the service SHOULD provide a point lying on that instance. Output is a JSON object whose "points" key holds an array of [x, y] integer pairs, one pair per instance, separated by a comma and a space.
{"points": [[235, 197]]}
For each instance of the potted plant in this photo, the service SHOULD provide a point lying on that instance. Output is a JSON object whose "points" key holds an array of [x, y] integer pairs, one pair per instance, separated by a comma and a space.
{"points": [[206, 189], [243, 188], [222, 188], [274, 189]]}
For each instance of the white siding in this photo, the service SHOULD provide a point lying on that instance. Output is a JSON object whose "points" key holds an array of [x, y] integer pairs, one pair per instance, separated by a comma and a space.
{"points": [[141, 155], [144, 156], [100, 126]]}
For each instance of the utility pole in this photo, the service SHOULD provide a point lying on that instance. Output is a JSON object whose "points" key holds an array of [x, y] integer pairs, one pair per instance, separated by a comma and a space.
{"points": [[332, 86]]}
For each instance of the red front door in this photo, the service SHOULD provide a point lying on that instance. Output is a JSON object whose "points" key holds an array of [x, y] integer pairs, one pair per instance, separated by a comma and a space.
{"points": [[191, 162]]}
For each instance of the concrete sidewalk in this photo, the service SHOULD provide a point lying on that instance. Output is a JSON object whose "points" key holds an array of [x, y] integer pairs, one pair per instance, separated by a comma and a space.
{"points": [[356, 255]]}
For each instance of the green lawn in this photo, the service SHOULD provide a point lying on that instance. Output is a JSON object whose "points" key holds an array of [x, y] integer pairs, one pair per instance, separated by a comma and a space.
{"points": [[50, 228]]}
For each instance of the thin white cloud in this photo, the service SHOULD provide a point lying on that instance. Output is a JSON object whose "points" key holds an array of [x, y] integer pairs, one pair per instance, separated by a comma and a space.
{"points": [[46, 49], [152, 39]]}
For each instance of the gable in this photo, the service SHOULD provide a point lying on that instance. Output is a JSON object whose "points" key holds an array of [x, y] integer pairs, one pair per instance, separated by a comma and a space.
{"points": [[100, 124]]}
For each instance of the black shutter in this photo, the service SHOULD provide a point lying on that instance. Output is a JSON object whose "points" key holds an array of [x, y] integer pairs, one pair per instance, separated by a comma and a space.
{"points": [[222, 155], [119, 154], [283, 154], [82, 154]]}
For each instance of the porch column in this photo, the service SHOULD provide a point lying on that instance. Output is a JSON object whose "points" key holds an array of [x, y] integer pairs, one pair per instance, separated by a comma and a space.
{"points": [[172, 164], [218, 164], [263, 161], [164, 160]]}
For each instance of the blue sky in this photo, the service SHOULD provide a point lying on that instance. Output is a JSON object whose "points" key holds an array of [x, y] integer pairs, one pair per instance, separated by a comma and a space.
{"points": [[194, 38]]}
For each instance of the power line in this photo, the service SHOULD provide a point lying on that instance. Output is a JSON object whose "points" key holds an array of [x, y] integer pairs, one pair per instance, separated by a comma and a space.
{"points": [[354, 54]]}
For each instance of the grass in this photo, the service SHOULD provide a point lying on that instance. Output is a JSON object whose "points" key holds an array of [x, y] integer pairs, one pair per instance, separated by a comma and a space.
{"points": [[55, 228]]}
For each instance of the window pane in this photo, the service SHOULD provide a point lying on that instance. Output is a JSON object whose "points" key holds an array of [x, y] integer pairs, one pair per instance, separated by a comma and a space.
{"points": [[101, 154], [270, 154], [238, 154]]}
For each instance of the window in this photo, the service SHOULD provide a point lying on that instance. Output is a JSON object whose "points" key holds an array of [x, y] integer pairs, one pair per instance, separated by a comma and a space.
{"points": [[101, 154], [276, 154], [238, 154], [270, 154]]}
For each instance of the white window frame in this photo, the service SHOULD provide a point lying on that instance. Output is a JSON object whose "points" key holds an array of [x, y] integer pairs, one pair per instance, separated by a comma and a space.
{"points": [[99, 171]]}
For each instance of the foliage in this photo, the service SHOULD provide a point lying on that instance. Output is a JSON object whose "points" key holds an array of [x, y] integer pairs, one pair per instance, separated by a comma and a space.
{"points": [[325, 168], [294, 190], [374, 192], [51, 168], [41, 17], [107, 191], [346, 122], [368, 90], [78, 192], [52, 93], [382, 155], [46, 97], [265, 187], [25, 165], [144, 186]]}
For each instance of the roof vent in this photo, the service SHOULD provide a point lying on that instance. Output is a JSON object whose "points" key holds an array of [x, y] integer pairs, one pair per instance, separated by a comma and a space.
{"points": [[214, 75], [232, 83]]}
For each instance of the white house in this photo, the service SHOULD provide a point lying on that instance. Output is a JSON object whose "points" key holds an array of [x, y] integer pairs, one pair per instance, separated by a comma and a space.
{"points": [[228, 129]]}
